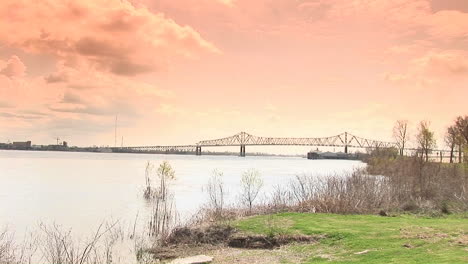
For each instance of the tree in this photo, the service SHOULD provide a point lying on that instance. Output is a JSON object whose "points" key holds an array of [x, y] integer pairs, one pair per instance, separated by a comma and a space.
{"points": [[461, 124], [400, 133], [451, 139], [425, 139], [251, 183], [216, 192]]}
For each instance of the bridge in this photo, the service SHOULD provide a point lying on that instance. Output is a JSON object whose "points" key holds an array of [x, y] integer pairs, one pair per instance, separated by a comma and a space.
{"points": [[243, 139]]}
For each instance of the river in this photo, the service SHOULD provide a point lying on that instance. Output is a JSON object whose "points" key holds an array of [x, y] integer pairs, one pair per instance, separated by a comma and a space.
{"points": [[81, 190]]}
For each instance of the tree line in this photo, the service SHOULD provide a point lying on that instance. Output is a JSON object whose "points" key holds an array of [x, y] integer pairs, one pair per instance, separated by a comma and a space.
{"points": [[456, 138]]}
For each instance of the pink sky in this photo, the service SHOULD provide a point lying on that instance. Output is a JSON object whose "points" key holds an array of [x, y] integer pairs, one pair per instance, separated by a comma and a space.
{"points": [[179, 71]]}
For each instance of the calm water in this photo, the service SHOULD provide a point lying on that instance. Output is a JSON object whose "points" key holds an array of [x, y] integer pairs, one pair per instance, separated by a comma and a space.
{"points": [[80, 190]]}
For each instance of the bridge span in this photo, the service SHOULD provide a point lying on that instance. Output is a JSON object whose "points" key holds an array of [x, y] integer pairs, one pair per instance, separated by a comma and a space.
{"points": [[243, 139]]}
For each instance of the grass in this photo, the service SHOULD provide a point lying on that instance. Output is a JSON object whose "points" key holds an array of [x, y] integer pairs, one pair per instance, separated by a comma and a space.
{"points": [[370, 238]]}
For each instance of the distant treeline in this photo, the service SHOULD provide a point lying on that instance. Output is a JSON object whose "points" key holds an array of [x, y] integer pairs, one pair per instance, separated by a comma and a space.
{"points": [[456, 138]]}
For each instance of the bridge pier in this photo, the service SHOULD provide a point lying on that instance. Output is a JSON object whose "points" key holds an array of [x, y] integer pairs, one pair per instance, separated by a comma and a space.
{"points": [[242, 150], [346, 143], [198, 150]]}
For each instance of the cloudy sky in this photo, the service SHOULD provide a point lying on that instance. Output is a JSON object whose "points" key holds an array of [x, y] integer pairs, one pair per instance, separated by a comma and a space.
{"points": [[179, 71]]}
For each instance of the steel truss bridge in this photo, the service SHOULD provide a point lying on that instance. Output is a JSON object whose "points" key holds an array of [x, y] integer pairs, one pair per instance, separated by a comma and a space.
{"points": [[243, 139]]}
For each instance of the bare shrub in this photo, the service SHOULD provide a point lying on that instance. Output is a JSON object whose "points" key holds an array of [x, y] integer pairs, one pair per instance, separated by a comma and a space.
{"points": [[355, 193], [426, 183], [163, 213], [148, 193], [7, 248], [302, 188], [251, 184], [216, 193], [28, 248], [59, 247], [395, 184], [280, 199]]}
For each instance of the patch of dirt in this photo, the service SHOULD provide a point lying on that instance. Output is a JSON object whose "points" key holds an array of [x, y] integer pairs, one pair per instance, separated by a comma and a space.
{"points": [[266, 242], [284, 254], [185, 242], [424, 233], [462, 240], [164, 253], [408, 245], [212, 235]]}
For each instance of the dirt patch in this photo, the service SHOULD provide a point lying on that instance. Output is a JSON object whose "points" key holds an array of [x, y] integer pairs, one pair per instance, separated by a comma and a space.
{"points": [[185, 242], [212, 235], [284, 254], [424, 233], [462, 240], [267, 242], [164, 253]]}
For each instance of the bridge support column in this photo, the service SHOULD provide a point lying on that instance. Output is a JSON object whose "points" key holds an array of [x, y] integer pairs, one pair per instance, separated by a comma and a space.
{"points": [[198, 151], [346, 143], [242, 150]]}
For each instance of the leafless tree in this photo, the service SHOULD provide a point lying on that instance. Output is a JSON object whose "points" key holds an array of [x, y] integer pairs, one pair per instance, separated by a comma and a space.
{"points": [[461, 124], [7, 248], [400, 133], [451, 136], [28, 249], [251, 183], [216, 192], [425, 139]]}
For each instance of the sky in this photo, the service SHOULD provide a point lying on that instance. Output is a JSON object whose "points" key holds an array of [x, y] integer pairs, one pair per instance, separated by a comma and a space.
{"points": [[181, 71]]}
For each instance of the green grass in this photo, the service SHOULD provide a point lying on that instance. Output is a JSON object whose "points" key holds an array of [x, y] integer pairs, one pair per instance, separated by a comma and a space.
{"points": [[401, 239]]}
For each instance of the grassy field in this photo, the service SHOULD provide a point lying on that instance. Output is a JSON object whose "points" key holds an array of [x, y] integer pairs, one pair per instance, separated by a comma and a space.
{"points": [[369, 238]]}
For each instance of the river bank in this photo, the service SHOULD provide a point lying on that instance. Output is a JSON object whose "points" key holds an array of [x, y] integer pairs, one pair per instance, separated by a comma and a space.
{"points": [[396, 210]]}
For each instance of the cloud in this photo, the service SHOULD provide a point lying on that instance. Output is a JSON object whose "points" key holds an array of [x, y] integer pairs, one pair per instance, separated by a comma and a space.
{"points": [[5, 104], [105, 35], [57, 77], [447, 25], [447, 63], [27, 117], [77, 126], [396, 78], [73, 98], [435, 71], [101, 94], [14, 68], [398, 19], [229, 3]]}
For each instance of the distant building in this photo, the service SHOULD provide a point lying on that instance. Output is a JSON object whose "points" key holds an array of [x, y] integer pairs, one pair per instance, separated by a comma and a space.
{"points": [[59, 147], [21, 145]]}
